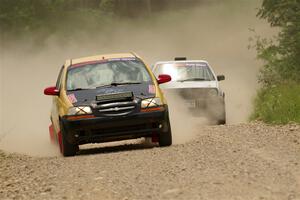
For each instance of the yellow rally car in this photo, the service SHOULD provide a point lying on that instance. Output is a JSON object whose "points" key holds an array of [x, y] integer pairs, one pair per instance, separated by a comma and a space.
{"points": [[107, 98]]}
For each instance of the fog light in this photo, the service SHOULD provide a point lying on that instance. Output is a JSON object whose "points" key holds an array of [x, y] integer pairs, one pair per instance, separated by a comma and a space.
{"points": [[80, 110], [150, 103]]}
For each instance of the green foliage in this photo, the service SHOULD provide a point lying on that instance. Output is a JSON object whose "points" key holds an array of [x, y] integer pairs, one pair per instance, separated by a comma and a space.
{"points": [[279, 99], [108, 5], [41, 19], [282, 56], [278, 104], [25, 17]]}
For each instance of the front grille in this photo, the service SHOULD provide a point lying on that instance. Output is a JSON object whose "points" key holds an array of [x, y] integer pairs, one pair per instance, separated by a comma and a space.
{"points": [[113, 133], [105, 131], [127, 128], [201, 103], [195, 97], [197, 93], [116, 108]]}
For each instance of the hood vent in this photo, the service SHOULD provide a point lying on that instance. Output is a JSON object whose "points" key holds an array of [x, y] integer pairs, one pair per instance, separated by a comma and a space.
{"points": [[114, 97]]}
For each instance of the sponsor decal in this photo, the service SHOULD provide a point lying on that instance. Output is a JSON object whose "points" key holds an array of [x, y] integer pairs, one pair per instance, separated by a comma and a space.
{"points": [[82, 64], [151, 89], [72, 98], [196, 64], [121, 59]]}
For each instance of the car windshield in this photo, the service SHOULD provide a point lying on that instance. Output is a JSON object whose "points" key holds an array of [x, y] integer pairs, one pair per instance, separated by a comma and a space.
{"points": [[111, 72], [185, 71]]}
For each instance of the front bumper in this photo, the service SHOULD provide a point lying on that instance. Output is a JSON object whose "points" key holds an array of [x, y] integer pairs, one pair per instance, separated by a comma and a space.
{"points": [[200, 102], [105, 129]]}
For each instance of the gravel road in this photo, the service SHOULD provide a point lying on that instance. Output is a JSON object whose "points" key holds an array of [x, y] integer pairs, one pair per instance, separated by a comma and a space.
{"points": [[246, 161]]}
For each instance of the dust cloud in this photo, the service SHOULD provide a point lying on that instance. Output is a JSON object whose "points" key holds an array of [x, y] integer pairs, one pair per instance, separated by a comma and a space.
{"points": [[185, 126], [217, 32]]}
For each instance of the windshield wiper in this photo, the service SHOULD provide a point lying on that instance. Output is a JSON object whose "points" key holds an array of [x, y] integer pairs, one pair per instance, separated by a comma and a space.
{"points": [[118, 83], [125, 83], [193, 79]]}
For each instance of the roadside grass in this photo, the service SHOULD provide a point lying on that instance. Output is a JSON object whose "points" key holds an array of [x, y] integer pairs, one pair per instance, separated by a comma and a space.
{"points": [[278, 104]]}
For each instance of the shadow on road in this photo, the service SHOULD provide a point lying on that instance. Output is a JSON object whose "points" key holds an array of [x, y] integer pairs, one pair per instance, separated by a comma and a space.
{"points": [[114, 147]]}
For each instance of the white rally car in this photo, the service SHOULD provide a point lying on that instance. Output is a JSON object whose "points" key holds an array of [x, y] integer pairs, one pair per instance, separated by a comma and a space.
{"points": [[197, 84]]}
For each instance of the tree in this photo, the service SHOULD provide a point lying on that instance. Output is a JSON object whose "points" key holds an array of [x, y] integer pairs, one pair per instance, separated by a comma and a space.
{"points": [[282, 55], [278, 100]]}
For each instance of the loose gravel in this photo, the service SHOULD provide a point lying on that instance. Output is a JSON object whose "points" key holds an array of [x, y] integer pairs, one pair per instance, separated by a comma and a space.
{"points": [[246, 161]]}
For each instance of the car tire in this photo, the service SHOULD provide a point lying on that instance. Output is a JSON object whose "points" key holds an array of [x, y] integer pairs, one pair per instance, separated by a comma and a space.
{"points": [[222, 122], [217, 119], [222, 119], [66, 148], [165, 138]]}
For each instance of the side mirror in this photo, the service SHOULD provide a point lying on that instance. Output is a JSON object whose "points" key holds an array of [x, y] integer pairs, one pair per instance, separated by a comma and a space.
{"points": [[221, 77], [51, 91], [164, 78]]}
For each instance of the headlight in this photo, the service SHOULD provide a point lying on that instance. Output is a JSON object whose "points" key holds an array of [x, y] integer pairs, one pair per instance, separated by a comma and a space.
{"points": [[80, 110], [213, 93], [150, 103]]}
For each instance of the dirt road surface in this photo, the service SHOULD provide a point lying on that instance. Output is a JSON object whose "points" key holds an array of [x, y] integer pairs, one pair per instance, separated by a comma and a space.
{"points": [[246, 161]]}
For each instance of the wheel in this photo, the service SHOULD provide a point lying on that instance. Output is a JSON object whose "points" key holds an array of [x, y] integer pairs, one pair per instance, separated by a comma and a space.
{"points": [[165, 137], [217, 113], [222, 119], [66, 148], [222, 122]]}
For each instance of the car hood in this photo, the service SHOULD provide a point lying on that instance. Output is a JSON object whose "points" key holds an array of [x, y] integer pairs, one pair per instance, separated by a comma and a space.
{"points": [[189, 84], [87, 97]]}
